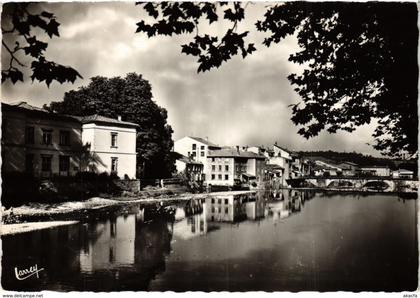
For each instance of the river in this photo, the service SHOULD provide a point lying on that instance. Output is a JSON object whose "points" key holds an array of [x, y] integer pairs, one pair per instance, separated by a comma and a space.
{"points": [[299, 241]]}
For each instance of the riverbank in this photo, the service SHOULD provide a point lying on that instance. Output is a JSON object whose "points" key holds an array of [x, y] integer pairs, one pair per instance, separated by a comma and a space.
{"points": [[93, 207]]}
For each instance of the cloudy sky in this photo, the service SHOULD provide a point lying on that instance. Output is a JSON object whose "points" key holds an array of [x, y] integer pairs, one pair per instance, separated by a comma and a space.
{"points": [[244, 102]]}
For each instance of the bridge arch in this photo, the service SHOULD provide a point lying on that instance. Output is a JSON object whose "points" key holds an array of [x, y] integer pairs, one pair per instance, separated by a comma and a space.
{"points": [[376, 185], [340, 183]]}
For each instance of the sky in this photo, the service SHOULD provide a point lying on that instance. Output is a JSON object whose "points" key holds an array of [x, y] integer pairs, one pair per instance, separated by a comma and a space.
{"points": [[244, 102]]}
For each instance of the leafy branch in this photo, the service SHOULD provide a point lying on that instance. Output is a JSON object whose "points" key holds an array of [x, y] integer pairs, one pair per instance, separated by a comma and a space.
{"points": [[183, 18], [22, 22]]}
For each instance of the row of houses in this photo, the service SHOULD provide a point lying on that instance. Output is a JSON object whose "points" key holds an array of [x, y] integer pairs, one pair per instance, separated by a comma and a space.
{"points": [[45, 144], [322, 167], [229, 166]]}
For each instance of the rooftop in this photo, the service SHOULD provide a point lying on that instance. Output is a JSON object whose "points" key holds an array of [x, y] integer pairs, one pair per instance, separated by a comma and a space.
{"points": [[233, 152], [22, 105], [102, 119], [25, 105], [282, 148], [204, 141]]}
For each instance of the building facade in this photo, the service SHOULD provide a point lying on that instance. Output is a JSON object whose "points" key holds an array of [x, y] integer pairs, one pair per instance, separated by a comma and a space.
{"points": [[381, 171], [39, 143], [192, 169], [231, 166], [112, 143], [195, 148], [44, 144]]}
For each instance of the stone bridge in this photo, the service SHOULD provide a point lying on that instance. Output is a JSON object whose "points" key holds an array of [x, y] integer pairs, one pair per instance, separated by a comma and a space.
{"points": [[386, 184]]}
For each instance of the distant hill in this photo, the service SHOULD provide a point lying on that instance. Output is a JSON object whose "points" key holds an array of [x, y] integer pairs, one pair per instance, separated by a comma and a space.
{"points": [[360, 159]]}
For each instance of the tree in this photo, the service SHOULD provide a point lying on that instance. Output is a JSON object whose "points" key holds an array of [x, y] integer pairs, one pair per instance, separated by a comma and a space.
{"points": [[21, 25], [360, 59], [131, 98]]}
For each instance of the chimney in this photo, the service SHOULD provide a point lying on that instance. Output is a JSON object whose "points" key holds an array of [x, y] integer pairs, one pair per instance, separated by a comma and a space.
{"points": [[119, 118]]}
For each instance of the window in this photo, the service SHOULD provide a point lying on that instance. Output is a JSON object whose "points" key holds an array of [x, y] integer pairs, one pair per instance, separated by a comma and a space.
{"points": [[212, 159], [46, 163], [220, 176], [194, 154], [226, 167], [212, 209], [29, 135], [194, 146], [226, 210], [213, 177], [226, 177], [202, 148], [29, 163], [47, 136], [64, 137], [226, 201], [64, 163], [220, 167], [114, 164], [213, 168], [114, 136], [219, 201], [202, 153], [212, 201]]}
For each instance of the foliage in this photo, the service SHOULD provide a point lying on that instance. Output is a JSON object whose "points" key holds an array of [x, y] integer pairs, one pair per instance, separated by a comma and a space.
{"points": [[21, 24], [360, 59], [130, 98], [357, 158]]}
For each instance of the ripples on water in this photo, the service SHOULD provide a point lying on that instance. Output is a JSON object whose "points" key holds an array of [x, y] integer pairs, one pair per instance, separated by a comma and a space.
{"points": [[295, 242]]}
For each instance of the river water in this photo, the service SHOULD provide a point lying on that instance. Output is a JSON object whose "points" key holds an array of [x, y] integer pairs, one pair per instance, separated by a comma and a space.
{"points": [[299, 241]]}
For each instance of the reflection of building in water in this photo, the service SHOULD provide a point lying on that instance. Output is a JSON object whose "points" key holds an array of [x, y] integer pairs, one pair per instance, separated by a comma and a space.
{"points": [[225, 209], [292, 201], [255, 210], [192, 226], [235, 208], [113, 245]]}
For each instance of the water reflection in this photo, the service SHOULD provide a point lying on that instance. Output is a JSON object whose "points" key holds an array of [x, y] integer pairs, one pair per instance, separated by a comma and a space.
{"points": [[153, 248]]}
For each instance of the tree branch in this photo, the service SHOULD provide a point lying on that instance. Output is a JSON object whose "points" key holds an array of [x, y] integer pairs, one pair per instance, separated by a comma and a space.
{"points": [[12, 56]]}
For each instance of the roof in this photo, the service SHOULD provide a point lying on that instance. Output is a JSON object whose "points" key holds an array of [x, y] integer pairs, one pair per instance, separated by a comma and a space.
{"points": [[287, 150], [185, 159], [405, 171], [350, 163], [29, 110], [233, 152], [273, 167], [375, 167], [105, 120], [24, 106], [204, 141]]}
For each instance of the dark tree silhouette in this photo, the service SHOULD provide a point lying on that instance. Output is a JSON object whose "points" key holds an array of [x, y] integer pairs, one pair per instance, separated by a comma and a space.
{"points": [[360, 59], [131, 98], [23, 26]]}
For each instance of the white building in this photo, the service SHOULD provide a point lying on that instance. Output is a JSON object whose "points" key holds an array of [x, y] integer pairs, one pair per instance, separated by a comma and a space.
{"points": [[402, 173], [382, 171], [113, 144], [281, 157], [226, 167], [196, 148]]}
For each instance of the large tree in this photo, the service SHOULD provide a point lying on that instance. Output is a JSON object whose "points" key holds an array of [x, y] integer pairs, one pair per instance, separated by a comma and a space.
{"points": [[131, 98], [360, 59], [25, 28]]}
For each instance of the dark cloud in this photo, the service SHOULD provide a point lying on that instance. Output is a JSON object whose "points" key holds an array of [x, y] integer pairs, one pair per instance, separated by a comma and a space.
{"points": [[242, 102]]}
